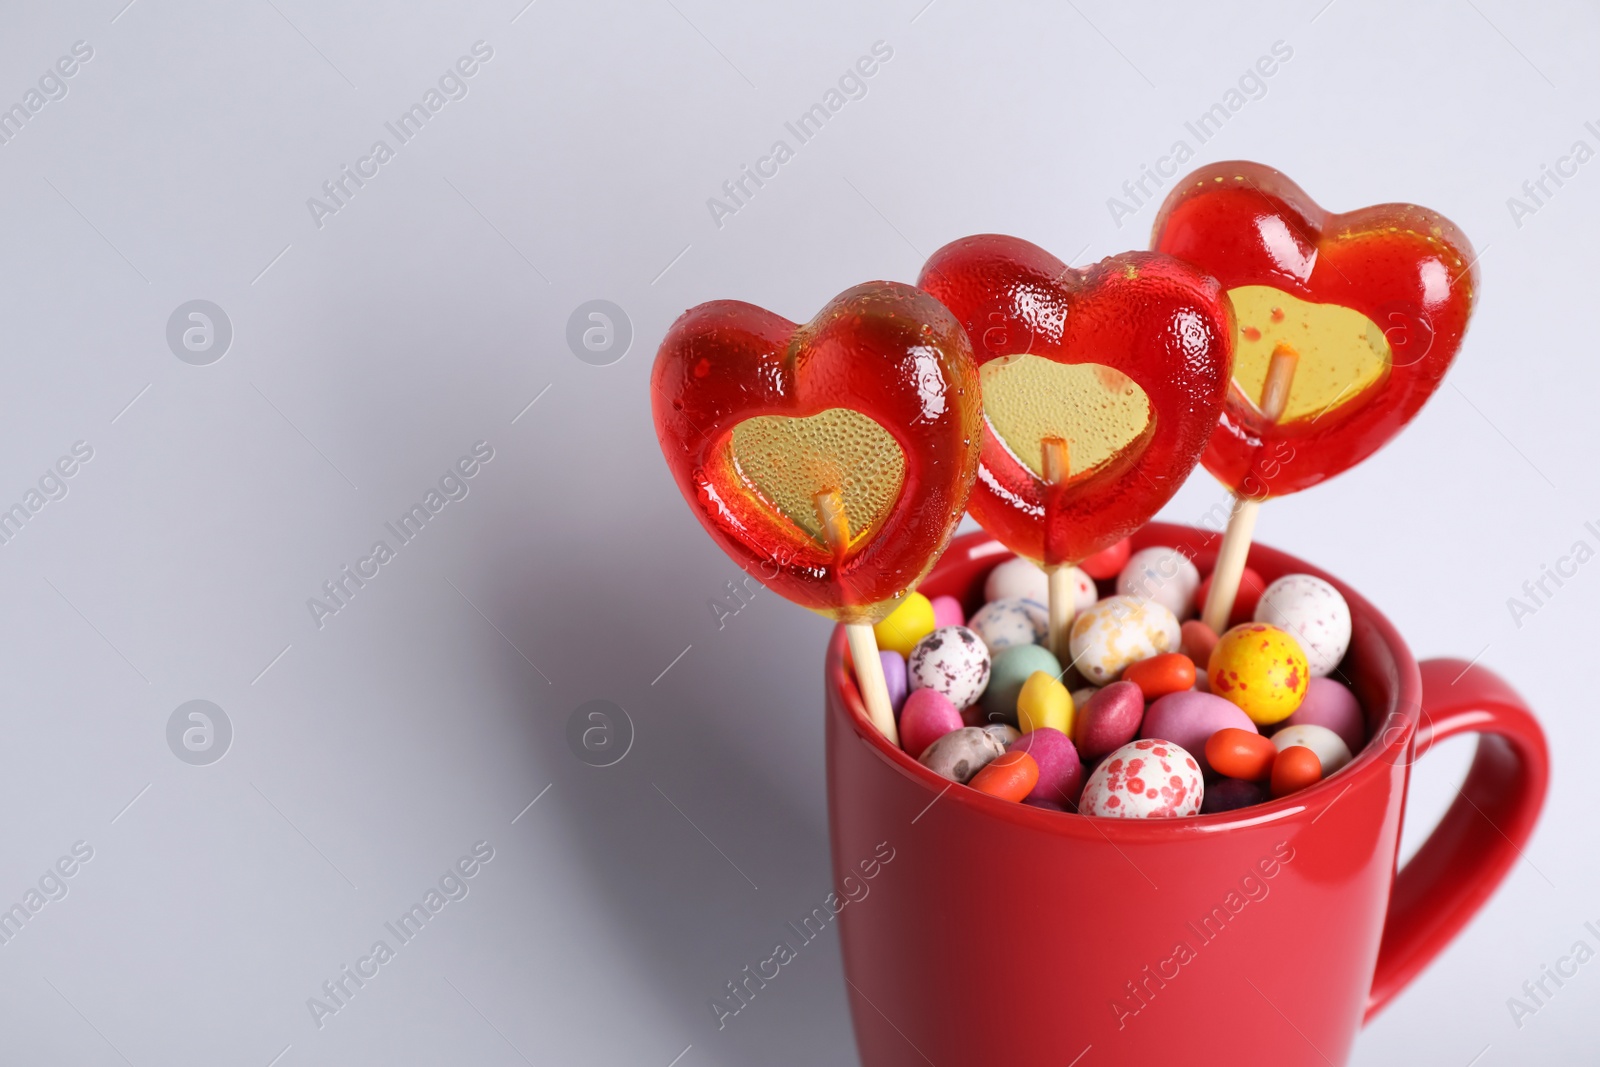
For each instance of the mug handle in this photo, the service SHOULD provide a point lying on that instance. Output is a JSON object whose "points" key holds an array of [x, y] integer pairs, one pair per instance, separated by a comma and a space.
{"points": [[1481, 835]]}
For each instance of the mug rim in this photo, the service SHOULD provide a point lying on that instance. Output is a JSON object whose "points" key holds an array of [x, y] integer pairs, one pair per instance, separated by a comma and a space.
{"points": [[1384, 748]]}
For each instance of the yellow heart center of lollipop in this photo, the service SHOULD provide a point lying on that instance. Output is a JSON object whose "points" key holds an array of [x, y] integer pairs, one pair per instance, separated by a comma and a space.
{"points": [[789, 462], [1342, 352], [1095, 410]]}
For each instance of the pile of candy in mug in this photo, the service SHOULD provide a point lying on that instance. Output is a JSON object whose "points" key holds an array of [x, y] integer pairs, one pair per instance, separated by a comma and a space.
{"points": [[1260, 336], [1155, 715]]}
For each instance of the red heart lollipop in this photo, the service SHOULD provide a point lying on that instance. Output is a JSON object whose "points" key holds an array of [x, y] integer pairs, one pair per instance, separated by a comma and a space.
{"points": [[1346, 324], [1101, 387], [833, 459], [1374, 303]]}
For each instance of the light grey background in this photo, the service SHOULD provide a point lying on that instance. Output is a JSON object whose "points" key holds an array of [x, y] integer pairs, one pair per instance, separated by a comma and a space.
{"points": [[426, 315]]}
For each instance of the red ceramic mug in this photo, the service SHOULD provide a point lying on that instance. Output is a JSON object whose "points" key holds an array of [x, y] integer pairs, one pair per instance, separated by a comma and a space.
{"points": [[1002, 934]]}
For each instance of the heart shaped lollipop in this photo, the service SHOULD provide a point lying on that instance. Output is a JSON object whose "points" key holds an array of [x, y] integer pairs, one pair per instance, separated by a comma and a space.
{"points": [[1346, 325], [1373, 302], [1100, 389], [832, 459]]}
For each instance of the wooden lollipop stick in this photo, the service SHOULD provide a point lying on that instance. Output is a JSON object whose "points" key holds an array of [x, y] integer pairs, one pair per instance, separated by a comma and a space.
{"points": [[835, 524], [1229, 570], [1242, 522], [1063, 597], [1063, 605], [859, 636], [1280, 376], [869, 677]]}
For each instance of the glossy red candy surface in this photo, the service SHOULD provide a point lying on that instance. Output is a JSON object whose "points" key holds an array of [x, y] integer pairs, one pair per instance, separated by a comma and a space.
{"points": [[1126, 362], [1375, 301], [875, 400]]}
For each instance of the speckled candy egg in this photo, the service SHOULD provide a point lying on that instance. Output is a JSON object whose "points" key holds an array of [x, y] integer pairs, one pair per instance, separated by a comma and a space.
{"points": [[962, 753], [953, 660], [1164, 575], [1012, 621], [1261, 669], [1118, 631], [1149, 779], [1315, 613]]}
